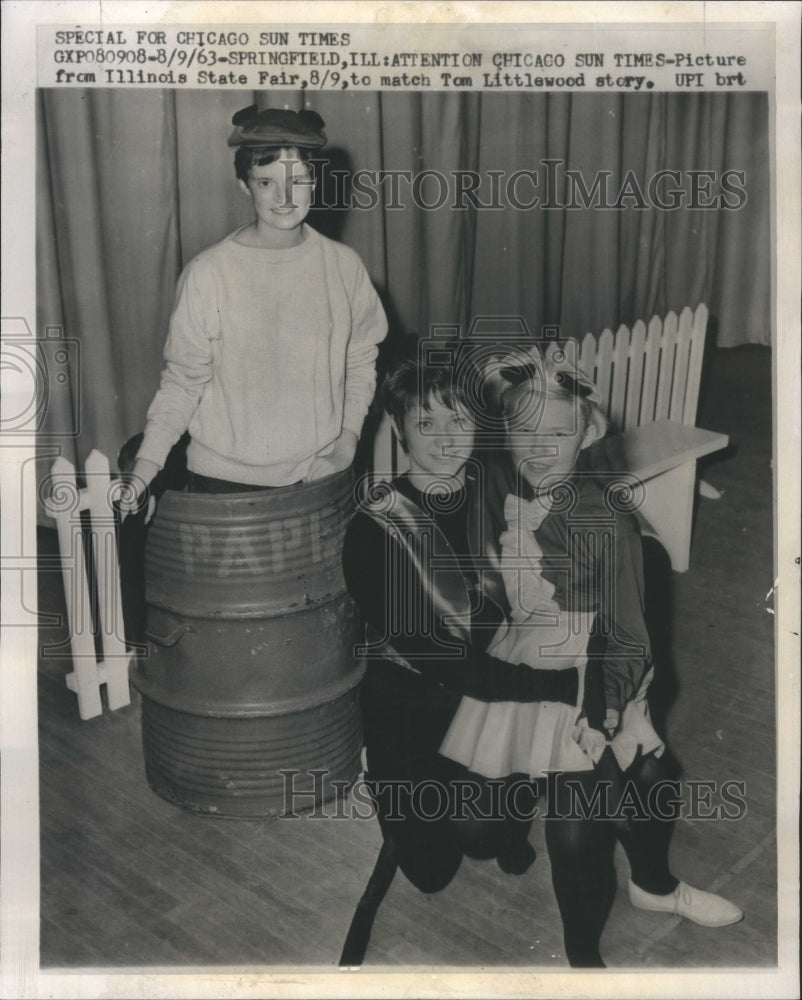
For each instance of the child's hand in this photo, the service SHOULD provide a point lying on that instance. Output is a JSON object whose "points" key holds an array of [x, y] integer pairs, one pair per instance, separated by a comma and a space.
{"points": [[339, 458], [612, 721], [140, 477]]}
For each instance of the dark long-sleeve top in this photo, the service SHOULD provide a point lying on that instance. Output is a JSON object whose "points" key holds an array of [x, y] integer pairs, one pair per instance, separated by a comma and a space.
{"points": [[426, 660]]}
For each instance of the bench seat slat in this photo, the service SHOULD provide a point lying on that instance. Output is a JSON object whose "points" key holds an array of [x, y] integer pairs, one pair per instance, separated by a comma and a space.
{"points": [[652, 449]]}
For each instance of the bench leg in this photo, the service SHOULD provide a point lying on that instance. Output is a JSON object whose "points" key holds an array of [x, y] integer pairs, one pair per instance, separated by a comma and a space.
{"points": [[668, 507], [115, 674], [708, 491]]}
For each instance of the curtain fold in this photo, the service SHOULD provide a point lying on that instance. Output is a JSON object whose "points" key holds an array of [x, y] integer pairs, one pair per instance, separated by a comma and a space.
{"points": [[354, 126], [740, 280], [132, 184], [591, 273], [62, 408]]}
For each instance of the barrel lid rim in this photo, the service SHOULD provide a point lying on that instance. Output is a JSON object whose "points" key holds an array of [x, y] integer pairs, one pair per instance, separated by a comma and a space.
{"points": [[298, 487], [255, 613]]}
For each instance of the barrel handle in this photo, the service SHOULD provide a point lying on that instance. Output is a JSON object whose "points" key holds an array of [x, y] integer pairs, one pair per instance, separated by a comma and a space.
{"points": [[172, 638]]}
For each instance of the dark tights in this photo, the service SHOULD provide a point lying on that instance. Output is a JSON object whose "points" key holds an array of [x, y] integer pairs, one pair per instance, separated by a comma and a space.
{"points": [[433, 821], [429, 851], [581, 853]]}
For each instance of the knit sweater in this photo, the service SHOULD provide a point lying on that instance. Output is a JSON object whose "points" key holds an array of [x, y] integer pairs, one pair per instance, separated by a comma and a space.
{"points": [[270, 355]]}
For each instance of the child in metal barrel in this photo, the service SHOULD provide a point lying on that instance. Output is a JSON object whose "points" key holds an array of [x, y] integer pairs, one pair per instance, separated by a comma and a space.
{"points": [[270, 357]]}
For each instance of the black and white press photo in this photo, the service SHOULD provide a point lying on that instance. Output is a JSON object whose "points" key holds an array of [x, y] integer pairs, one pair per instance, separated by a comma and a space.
{"points": [[399, 524]]}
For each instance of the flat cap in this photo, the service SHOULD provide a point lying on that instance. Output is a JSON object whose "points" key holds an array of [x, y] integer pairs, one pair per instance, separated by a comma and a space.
{"points": [[277, 127]]}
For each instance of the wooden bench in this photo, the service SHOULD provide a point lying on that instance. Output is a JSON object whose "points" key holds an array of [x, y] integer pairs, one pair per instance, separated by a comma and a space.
{"points": [[649, 383], [662, 456]]}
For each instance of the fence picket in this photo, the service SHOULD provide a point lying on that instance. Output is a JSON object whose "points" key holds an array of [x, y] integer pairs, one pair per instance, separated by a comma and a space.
{"points": [[681, 359], [698, 332], [587, 356], [654, 336], [604, 357], [570, 352], [667, 349], [635, 381], [83, 679], [112, 628], [620, 359]]}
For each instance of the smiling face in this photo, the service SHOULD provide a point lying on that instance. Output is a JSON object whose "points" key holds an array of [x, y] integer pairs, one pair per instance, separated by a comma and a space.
{"points": [[438, 440], [546, 436], [282, 196]]}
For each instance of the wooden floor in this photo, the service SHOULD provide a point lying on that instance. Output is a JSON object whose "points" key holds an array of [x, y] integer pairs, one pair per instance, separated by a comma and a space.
{"points": [[129, 880]]}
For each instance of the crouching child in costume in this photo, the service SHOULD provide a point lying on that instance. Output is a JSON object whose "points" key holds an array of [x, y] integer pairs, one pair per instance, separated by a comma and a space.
{"points": [[413, 561], [571, 562]]}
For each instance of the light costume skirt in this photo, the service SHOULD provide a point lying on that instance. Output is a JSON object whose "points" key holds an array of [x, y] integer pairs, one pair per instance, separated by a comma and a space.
{"points": [[502, 738], [506, 737]]}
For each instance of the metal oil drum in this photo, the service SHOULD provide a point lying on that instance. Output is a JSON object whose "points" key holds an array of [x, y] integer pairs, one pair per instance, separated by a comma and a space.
{"points": [[252, 669]]}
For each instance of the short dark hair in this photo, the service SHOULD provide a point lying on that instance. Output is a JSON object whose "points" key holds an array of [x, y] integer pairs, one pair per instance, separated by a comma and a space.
{"points": [[410, 383], [259, 156]]}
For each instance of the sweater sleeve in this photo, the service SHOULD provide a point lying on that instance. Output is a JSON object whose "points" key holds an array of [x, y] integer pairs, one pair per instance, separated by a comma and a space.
{"points": [[627, 656], [381, 580], [369, 328], [187, 370]]}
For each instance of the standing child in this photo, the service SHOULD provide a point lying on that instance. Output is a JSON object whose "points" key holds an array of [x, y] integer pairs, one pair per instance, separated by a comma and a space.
{"points": [[572, 567], [270, 358]]}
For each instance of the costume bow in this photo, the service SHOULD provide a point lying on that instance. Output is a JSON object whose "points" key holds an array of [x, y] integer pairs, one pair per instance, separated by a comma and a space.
{"points": [[554, 363], [593, 742], [530, 589], [529, 514]]}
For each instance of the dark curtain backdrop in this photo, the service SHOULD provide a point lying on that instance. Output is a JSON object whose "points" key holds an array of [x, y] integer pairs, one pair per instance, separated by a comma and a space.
{"points": [[131, 185]]}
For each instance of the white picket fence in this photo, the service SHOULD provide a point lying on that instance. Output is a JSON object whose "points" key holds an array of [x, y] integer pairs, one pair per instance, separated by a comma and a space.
{"points": [[65, 503], [651, 373]]}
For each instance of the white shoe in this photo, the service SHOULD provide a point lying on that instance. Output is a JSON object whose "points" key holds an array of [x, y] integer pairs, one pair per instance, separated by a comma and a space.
{"points": [[705, 908]]}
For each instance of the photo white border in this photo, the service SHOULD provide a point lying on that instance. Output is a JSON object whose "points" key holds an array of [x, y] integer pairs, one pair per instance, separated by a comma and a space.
{"points": [[19, 875]]}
